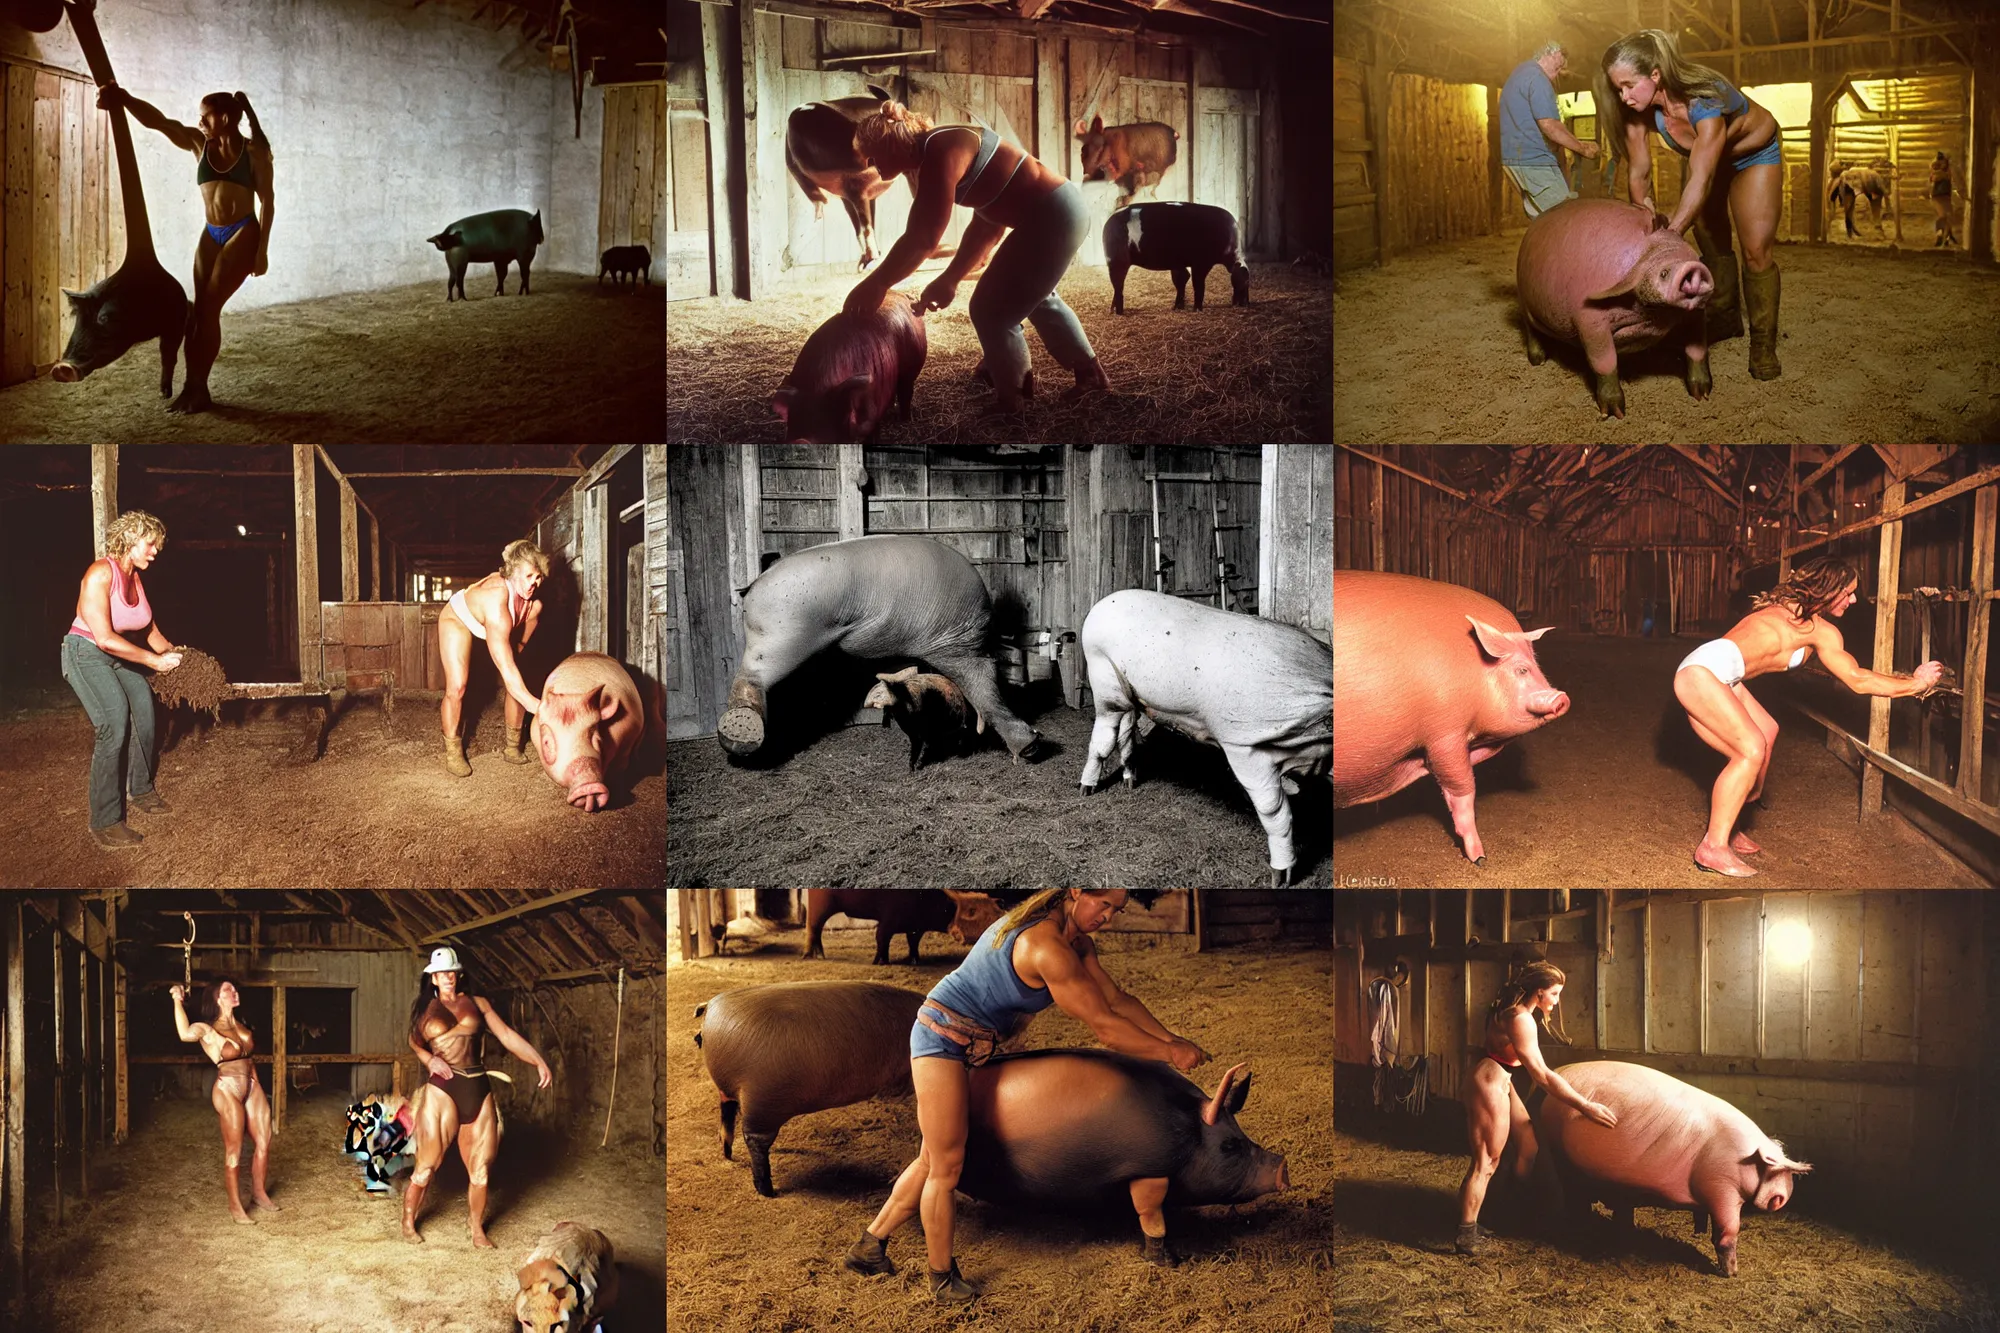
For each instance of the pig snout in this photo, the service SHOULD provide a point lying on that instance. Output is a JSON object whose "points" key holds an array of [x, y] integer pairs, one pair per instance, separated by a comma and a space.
{"points": [[1689, 285], [65, 373], [1548, 704], [585, 787]]}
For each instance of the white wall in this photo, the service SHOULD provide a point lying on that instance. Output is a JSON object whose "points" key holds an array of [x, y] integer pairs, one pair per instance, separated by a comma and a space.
{"points": [[387, 123]]}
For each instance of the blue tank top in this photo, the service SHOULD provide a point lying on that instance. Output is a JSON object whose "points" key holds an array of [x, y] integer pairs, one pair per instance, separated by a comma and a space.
{"points": [[985, 987], [1732, 105]]}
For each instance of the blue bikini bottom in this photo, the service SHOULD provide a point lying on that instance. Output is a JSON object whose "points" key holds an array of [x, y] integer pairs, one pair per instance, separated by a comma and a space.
{"points": [[220, 234]]}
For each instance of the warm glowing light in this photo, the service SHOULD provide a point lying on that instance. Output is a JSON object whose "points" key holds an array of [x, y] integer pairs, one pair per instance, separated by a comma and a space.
{"points": [[1789, 943], [242, 531]]}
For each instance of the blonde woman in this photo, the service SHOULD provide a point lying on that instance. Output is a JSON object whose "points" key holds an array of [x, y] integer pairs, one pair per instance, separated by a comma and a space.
{"points": [[1007, 190], [1038, 954], [238, 1097], [502, 611], [114, 633], [1734, 172], [1494, 1112]]}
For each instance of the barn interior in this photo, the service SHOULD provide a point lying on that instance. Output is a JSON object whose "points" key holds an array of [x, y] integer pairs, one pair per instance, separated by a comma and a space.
{"points": [[115, 1216], [1860, 1029], [1243, 973], [308, 772], [756, 262], [1051, 531], [1426, 220], [1634, 555], [387, 121]]}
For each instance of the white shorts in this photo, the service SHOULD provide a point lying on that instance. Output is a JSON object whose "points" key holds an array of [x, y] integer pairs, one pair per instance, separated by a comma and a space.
{"points": [[1721, 656]]}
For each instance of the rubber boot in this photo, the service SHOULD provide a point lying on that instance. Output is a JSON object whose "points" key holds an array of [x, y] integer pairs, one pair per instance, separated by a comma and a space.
{"points": [[1722, 317], [1760, 294], [1469, 1236], [870, 1255], [512, 752], [948, 1288], [413, 1199], [454, 758]]}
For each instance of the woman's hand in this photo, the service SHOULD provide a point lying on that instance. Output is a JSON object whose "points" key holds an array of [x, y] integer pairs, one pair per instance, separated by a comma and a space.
{"points": [[542, 1068], [164, 661], [1601, 1113], [1184, 1055], [866, 298], [937, 296], [1926, 676], [111, 95], [178, 991], [263, 265], [438, 1066]]}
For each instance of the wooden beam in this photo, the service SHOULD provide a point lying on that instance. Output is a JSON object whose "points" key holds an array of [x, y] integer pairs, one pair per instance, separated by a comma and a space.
{"points": [[56, 1123], [481, 472], [305, 552], [519, 910], [17, 1114], [83, 1081], [280, 1070], [121, 1127], [350, 545], [103, 492]]}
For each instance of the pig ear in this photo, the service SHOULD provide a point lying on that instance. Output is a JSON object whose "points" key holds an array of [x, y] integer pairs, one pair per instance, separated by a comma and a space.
{"points": [[1097, 124], [782, 400], [603, 703], [1620, 288], [75, 298], [1081, 129], [1494, 641], [1533, 634]]}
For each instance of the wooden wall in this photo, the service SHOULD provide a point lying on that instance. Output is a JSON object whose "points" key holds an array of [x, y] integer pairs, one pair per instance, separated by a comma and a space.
{"points": [[632, 200], [1295, 581], [1356, 168], [1436, 166], [380, 645], [62, 224]]}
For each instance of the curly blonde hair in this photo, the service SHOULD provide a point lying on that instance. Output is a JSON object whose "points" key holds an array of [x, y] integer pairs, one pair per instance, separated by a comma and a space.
{"points": [[891, 122], [130, 528], [517, 554]]}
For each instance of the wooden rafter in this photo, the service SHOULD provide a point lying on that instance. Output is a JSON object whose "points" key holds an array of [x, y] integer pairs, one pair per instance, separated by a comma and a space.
{"points": [[491, 918]]}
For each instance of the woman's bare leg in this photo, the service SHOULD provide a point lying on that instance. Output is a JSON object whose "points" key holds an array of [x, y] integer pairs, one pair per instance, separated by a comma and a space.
{"points": [[214, 283], [258, 1107], [1487, 1122], [478, 1145], [942, 1093], [1722, 722], [230, 1111], [437, 1126]]}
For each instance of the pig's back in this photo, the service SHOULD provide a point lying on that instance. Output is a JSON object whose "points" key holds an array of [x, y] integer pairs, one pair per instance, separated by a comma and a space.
{"points": [[1574, 249], [1664, 1127]]}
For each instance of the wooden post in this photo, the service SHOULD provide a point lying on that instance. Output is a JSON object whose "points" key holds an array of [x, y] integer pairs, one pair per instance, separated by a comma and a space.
{"points": [[305, 546], [279, 1077], [121, 1124], [56, 1128], [83, 1068], [350, 545], [1888, 578], [374, 557], [103, 492], [17, 1115], [849, 501]]}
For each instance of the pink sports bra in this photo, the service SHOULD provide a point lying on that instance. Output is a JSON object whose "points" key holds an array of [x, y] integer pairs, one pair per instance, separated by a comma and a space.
{"points": [[126, 614]]}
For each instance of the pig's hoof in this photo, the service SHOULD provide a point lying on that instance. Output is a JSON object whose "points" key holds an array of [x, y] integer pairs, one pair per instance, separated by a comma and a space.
{"points": [[741, 731], [194, 398]]}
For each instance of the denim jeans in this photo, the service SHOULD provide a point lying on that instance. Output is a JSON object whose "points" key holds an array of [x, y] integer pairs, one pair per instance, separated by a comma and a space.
{"points": [[120, 704]]}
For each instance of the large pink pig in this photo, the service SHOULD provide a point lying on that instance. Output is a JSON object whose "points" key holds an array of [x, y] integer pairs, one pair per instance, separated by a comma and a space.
{"points": [[1674, 1146], [591, 722], [1428, 677], [1598, 272]]}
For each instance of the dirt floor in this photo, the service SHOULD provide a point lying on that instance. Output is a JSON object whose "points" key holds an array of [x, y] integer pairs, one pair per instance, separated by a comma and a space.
{"points": [[1395, 1214], [1221, 375], [840, 809], [162, 1254], [572, 363], [745, 1264], [1879, 346], [1616, 792], [251, 808]]}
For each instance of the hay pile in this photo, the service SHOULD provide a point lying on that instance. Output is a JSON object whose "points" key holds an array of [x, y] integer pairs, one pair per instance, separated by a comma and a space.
{"points": [[197, 683], [1224, 375]]}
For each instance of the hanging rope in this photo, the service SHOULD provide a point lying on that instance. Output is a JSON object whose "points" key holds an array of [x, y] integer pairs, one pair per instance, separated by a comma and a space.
{"points": [[617, 1027], [187, 954]]}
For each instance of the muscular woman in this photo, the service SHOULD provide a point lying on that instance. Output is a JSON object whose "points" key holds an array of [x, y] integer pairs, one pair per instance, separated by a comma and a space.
{"points": [[495, 610], [238, 1098], [232, 173], [1786, 623], [1734, 171], [445, 1029], [98, 661], [1037, 955], [1006, 189], [1494, 1112]]}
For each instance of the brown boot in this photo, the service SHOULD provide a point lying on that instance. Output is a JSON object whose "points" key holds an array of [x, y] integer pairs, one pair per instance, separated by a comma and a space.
{"points": [[1760, 294], [413, 1200], [1089, 379], [454, 758], [512, 752]]}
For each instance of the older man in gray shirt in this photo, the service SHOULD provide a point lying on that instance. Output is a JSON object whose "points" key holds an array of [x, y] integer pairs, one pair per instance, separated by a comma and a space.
{"points": [[1529, 121]]}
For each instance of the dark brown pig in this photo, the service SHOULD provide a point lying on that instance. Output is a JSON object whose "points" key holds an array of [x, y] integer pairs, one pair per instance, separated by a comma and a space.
{"points": [[848, 373], [1064, 1127], [1428, 678], [791, 1048], [1133, 155], [905, 912], [1675, 1146], [1600, 272], [927, 706], [591, 721]]}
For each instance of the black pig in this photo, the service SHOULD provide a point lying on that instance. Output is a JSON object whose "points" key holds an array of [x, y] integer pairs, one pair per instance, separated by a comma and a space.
{"points": [[504, 236], [1177, 237], [623, 261]]}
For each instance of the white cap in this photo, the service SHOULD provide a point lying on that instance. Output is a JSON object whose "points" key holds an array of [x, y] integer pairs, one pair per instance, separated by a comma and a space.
{"points": [[444, 958]]}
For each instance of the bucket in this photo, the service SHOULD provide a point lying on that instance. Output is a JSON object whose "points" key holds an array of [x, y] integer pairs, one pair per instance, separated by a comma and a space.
{"points": [[1039, 646], [1013, 662]]}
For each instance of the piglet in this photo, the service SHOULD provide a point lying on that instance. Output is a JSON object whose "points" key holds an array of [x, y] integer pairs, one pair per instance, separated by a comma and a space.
{"points": [[623, 261], [1606, 274], [850, 369], [929, 709], [1428, 678], [569, 1282]]}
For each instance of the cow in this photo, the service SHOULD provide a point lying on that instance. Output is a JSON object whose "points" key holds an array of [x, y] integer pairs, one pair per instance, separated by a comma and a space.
{"points": [[1133, 155], [820, 152], [1872, 182], [379, 1133]]}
